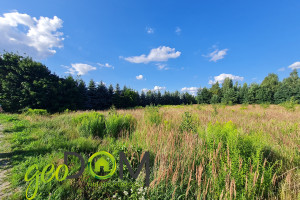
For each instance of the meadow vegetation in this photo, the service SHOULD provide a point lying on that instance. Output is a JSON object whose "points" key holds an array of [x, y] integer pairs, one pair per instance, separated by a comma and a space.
{"points": [[196, 151]]}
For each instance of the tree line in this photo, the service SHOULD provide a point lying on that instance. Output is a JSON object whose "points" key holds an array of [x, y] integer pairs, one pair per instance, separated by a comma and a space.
{"points": [[25, 83]]}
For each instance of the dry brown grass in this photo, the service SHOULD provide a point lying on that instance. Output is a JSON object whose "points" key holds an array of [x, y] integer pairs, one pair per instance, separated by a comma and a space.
{"points": [[280, 127]]}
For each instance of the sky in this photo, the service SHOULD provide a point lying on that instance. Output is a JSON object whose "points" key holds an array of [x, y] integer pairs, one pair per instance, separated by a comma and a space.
{"points": [[156, 45]]}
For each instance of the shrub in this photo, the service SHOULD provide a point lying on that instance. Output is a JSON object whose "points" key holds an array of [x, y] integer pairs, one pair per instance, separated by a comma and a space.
{"points": [[116, 124], [92, 123], [244, 156], [290, 104], [188, 123], [215, 99], [215, 111], [152, 115], [36, 112]]}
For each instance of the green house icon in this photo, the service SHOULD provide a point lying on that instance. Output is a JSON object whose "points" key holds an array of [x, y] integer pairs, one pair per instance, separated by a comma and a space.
{"points": [[102, 163]]}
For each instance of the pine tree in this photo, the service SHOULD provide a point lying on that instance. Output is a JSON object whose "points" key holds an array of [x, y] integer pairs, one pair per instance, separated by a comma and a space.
{"points": [[102, 97], [92, 95]]}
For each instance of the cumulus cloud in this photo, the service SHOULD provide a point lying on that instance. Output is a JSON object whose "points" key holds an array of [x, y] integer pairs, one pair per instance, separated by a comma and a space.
{"points": [[105, 65], [178, 30], [80, 69], [26, 34], [222, 77], [139, 77], [162, 66], [295, 65], [156, 88], [159, 54], [192, 90], [149, 30], [217, 55]]}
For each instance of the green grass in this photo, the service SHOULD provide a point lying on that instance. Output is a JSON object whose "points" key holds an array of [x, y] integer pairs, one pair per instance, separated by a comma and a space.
{"points": [[194, 153]]}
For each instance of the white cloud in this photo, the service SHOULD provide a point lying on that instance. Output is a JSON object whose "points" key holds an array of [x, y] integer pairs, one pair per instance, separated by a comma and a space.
{"points": [[161, 53], [80, 69], [217, 55], [281, 69], [178, 30], [149, 30], [145, 90], [295, 65], [222, 77], [192, 90], [139, 77], [26, 34], [162, 66], [156, 88], [106, 65]]}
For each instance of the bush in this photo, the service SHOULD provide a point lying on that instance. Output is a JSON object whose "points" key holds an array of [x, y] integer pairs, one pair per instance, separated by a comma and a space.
{"points": [[215, 111], [90, 123], [244, 156], [116, 124], [36, 112], [214, 99], [290, 104], [188, 123], [152, 115]]}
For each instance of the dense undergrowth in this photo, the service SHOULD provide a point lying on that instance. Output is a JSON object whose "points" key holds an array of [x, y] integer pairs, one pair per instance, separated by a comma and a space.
{"points": [[196, 152]]}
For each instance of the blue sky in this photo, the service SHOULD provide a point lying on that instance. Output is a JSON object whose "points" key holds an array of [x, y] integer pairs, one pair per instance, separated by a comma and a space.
{"points": [[172, 45]]}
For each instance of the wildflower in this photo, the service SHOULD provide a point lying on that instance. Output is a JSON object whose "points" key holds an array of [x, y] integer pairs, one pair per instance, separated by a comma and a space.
{"points": [[126, 193], [115, 195]]}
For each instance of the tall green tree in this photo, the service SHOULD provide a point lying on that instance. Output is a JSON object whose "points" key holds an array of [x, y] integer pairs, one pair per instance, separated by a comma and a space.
{"points": [[102, 97], [203, 95], [92, 95], [26, 83], [268, 88], [290, 87], [229, 93]]}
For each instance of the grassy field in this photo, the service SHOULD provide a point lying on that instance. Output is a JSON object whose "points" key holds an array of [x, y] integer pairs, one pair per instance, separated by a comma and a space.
{"points": [[196, 151]]}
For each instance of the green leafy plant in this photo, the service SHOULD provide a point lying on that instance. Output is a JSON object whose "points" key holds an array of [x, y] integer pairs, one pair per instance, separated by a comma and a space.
{"points": [[290, 104], [92, 123], [152, 115], [116, 124], [30, 111], [188, 123], [215, 110]]}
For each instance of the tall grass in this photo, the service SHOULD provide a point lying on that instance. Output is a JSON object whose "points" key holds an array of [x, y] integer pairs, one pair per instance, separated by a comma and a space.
{"points": [[117, 124], [195, 154], [92, 123], [152, 115]]}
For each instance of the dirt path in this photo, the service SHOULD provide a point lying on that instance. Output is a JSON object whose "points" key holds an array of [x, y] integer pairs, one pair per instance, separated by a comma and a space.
{"points": [[4, 167]]}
